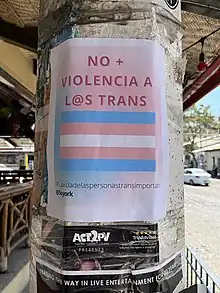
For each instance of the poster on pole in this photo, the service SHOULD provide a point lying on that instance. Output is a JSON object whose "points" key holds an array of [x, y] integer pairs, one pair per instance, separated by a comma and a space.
{"points": [[111, 246], [107, 141], [89, 276]]}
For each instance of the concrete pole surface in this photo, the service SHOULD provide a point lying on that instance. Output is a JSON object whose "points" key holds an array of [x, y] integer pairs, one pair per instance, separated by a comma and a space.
{"points": [[158, 20]]}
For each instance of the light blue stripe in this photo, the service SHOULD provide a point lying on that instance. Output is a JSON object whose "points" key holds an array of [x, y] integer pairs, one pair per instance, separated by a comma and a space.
{"points": [[108, 117], [108, 165]]}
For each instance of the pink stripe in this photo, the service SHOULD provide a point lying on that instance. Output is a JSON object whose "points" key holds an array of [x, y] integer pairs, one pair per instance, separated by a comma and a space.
{"points": [[107, 153], [105, 129]]}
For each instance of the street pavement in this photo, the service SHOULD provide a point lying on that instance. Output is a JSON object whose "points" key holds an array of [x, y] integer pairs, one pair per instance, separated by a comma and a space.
{"points": [[17, 263], [202, 218]]}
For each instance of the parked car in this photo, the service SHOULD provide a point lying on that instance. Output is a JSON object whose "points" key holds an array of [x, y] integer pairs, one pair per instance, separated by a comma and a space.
{"points": [[195, 176]]}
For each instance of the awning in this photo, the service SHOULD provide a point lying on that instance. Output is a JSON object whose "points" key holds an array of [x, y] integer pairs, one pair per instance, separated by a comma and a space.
{"points": [[200, 19]]}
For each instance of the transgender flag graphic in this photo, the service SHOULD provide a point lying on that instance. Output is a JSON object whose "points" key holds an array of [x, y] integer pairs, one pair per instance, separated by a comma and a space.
{"points": [[107, 141]]}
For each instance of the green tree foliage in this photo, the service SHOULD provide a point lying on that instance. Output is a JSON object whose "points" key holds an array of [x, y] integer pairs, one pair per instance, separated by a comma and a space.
{"points": [[198, 122]]}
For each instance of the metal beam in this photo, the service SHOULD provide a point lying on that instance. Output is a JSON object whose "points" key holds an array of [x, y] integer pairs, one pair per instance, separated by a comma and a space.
{"points": [[24, 37], [22, 92], [203, 85], [210, 8]]}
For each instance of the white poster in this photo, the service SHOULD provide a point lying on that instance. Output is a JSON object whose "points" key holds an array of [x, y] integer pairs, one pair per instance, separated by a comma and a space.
{"points": [[107, 140]]}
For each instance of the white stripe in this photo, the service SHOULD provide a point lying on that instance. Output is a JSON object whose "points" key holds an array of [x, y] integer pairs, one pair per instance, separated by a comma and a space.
{"points": [[121, 141], [108, 272]]}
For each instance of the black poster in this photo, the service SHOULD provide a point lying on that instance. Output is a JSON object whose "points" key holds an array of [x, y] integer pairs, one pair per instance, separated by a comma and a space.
{"points": [[109, 247], [162, 278]]}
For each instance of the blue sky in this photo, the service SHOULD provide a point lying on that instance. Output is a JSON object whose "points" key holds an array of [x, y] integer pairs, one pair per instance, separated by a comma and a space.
{"points": [[212, 99]]}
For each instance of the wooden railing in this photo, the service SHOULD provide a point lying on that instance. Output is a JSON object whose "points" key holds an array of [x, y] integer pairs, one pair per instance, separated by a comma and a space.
{"points": [[15, 219], [15, 176]]}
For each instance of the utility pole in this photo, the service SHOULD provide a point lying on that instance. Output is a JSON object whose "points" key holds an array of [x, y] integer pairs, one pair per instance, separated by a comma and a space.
{"points": [[108, 195]]}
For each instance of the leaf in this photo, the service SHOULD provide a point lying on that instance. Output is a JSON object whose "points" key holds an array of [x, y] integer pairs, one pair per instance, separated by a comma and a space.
{"points": [[198, 122]]}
